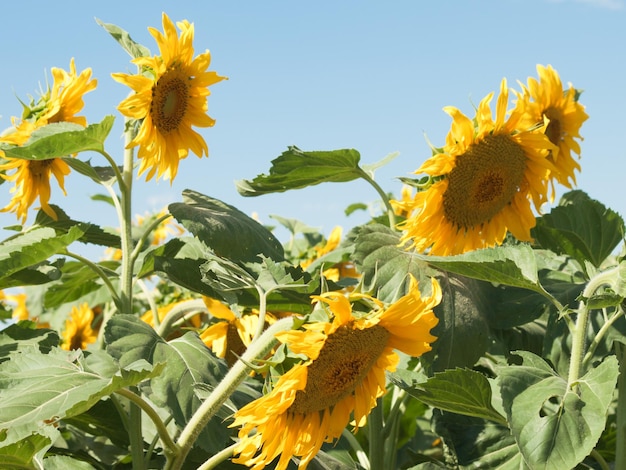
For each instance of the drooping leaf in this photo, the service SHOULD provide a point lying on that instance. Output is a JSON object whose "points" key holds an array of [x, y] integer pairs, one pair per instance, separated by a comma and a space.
{"points": [[100, 174], [554, 426], [36, 390], [295, 169], [462, 332], [33, 247], [580, 227], [64, 462], [40, 273], [461, 391], [25, 334], [225, 229], [123, 38], [62, 139], [188, 362]]}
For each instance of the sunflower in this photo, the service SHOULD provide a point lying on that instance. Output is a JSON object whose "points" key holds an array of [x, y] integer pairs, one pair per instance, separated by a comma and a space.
{"points": [[78, 332], [338, 271], [230, 337], [169, 98], [343, 375], [546, 99], [482, 183], [32, 177]]}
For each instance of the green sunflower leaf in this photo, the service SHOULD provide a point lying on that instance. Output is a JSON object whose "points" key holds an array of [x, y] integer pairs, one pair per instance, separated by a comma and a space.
{"points": [[461, 391], [187, 362], [123, 38], [296, 169], [580, 227], [20, 455], [62, 139], [93, 233], [225, 229], [33, 247], [511, 265], [554, 426], [36, 390], [25, 334]]}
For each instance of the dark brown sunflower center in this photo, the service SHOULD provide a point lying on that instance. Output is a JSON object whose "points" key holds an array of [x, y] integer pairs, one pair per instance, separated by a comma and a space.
{"points": [[553, 129], [345, 360], [39, 168], [234, 344], [484, 180], [170, 97]]}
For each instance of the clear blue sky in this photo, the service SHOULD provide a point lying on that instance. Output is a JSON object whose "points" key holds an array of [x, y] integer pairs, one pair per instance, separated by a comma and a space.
{"points": [[324, 75]]}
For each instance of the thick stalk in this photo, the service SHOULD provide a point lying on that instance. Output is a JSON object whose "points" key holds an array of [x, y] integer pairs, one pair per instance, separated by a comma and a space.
{"points": [[620, 438], [126, 294], [235, 376], [376, 440], [579, 333]]}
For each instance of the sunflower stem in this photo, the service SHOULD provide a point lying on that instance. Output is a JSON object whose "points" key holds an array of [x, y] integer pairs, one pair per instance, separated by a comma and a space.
{"points": [[235, 376], [620, 424], [579, 333], [376, 439], [179, 311], [218, 458], [168, 443], [126, 222], [390, 212]]}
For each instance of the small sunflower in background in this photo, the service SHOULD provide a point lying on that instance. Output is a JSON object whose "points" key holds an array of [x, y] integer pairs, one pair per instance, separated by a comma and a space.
{"points": [[32, 177], [483, 182], [547, 99], [229, 337], [342, 376], [170, 97], [78, 332]]}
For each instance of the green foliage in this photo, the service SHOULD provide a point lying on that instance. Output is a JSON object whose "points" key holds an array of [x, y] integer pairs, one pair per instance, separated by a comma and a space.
{"points": [[522, 373], [296, 169]]}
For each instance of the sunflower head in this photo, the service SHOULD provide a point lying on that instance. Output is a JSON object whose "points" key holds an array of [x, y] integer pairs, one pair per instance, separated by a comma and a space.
{"points": [[483, 182], [170, 96], [546, 99], [60, 103], [78, 332], [341, 378]]}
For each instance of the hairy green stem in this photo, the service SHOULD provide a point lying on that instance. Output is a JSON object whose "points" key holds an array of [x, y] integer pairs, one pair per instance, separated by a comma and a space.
{"points": [[606, 326], [178, 312], [376, 426], [126, 238], [620, 438], [168, 444], [579, 332], [390, 212], [218, 458], [235, 376], [135, 435], [100, 272]]}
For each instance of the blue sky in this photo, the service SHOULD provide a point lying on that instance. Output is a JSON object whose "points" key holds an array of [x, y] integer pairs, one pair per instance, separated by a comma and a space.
{"points": [[325, 75]]}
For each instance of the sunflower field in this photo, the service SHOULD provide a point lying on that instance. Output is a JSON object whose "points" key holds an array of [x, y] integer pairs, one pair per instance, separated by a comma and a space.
{"points": [[464, 326]]}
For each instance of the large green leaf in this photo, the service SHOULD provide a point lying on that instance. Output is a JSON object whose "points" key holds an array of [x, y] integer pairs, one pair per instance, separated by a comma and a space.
{"points": [[33, 247], [225, 229], [37, 390], [511, 265], [384, 264], [25, 334], [582, 228], [188, 362], [461, 391], [61, 139], [556, 427], [476, 443], [296, 169]]}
